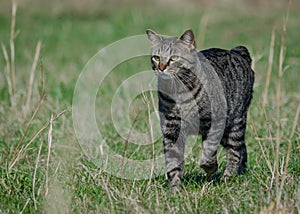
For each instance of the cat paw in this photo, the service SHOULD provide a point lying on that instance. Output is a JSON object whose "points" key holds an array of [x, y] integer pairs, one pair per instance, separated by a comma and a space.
{"points": [[226, 177], [175, 186], [209, 168], [175, 189], [232, 171], [230, 174], [175, 181]]}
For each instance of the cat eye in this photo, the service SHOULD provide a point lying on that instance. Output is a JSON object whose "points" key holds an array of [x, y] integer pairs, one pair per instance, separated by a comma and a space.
{"points": [[156, 58], [174, 58]]}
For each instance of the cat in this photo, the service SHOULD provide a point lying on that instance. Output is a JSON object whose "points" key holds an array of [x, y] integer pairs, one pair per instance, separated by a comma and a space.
{"points": [[204, 92]]}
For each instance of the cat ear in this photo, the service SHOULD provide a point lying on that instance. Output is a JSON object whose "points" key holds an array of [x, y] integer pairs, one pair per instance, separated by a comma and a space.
{"points": [[188, 38], [153, 37]]}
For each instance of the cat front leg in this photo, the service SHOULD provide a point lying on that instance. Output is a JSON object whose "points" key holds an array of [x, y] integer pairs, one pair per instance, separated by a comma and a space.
{"points": [[174, 158], [174, 143]]}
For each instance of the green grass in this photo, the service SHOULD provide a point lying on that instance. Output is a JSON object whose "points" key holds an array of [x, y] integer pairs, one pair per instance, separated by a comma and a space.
{"points": [[68, 181]]}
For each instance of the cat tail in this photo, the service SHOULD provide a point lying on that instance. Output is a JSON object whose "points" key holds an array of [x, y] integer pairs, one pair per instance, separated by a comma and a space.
{"points": [[243, 52]]}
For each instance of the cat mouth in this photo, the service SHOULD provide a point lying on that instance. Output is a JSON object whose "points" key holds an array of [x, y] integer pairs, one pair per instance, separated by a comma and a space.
{"points": [[164, 74]]}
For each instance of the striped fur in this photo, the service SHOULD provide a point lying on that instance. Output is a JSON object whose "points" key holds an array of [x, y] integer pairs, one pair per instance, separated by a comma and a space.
{"points": [[186, 106]]}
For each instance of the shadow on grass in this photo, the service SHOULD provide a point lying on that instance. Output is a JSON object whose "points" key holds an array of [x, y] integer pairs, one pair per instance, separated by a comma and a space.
{"points": [[199, 177]]}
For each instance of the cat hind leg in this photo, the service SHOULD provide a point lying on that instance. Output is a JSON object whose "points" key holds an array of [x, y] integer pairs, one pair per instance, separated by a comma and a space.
{"points": [[236, 152], [208, 160]]}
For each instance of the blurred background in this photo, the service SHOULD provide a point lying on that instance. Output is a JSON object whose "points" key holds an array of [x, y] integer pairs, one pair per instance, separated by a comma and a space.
{"points": [[72, 31]]}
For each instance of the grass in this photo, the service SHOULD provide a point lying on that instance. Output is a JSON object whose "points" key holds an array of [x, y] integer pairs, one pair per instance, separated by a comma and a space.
{"points": [[42, 167]]}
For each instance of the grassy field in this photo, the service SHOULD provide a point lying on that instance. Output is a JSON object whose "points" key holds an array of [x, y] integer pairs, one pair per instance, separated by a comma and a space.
{"points": [[42, 166]]}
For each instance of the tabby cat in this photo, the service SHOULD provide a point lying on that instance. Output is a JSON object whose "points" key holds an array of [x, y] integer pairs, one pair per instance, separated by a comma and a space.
{"points": [[202, 92]]}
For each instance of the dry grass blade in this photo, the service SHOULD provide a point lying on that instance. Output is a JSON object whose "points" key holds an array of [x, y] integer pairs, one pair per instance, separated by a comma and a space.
{"points": [[34, 174], [12, 46], [151, 134], [49, 152], [278, 112], [124, 160], [42, 81], [202, 30], [105, 187], [26, 204], [269, 70], [270, 136], [29, 124], [19, 152], [285, 170], [32, 75], [7, 73], [154, 105], [263, 150]]}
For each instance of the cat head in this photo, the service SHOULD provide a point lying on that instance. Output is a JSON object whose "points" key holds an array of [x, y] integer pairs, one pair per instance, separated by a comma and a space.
{"points": [[171, 55]]}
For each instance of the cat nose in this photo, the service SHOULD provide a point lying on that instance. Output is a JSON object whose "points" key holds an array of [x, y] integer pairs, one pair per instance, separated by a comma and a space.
{"points": [[162, 66]]}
